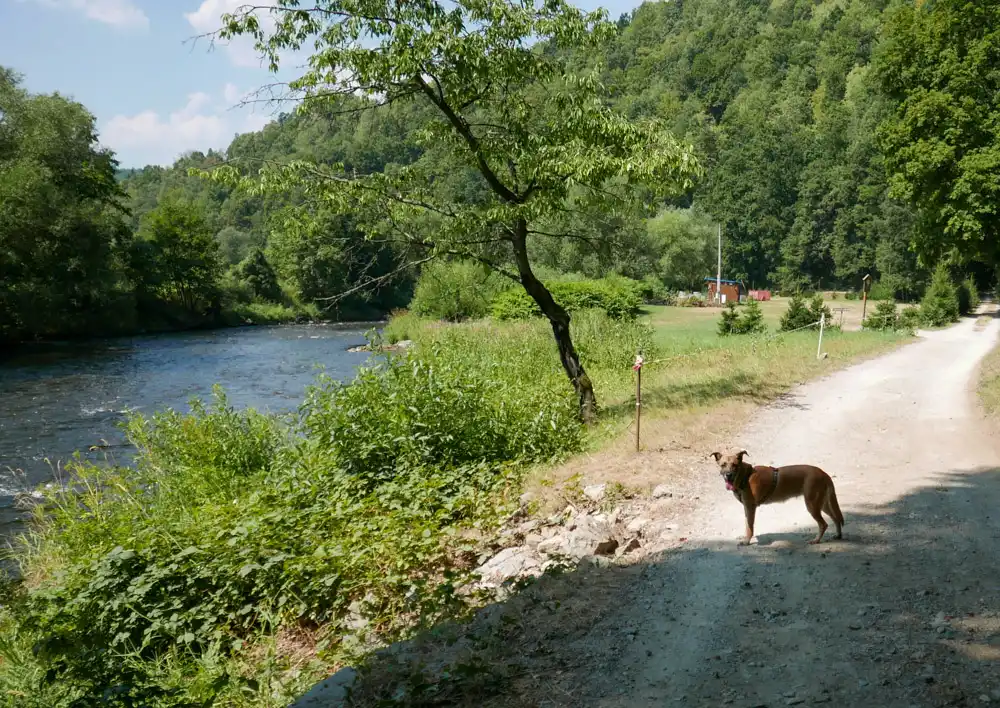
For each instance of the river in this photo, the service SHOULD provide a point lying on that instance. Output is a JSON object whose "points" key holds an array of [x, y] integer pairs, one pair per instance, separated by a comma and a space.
{"points": [[60, 398]]}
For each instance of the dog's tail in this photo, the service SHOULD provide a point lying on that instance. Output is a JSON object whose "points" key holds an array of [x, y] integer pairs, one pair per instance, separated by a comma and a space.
{"points": [[833, 508]]}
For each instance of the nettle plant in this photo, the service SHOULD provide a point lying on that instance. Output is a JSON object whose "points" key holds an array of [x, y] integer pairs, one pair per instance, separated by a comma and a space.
{"points": [[491, 92]]}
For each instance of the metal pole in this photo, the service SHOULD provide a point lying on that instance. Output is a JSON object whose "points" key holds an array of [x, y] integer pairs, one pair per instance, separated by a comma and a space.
{"points": [[638, 396], [819, 347], [718, 273]]}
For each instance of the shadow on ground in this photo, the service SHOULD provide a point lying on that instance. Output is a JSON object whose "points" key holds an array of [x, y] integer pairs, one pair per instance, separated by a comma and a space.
{"points": [[905, 611]]}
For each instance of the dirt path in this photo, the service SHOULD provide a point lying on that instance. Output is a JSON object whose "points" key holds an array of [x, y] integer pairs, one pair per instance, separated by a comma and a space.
{"points": [[904, 612]]}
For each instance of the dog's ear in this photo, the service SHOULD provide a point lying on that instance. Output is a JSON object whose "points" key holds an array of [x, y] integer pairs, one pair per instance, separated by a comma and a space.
{"points": [[740, 454], [716, 455]]}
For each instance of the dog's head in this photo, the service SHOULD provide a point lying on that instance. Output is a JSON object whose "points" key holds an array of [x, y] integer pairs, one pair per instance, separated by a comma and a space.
{"points": [[729, 465]]}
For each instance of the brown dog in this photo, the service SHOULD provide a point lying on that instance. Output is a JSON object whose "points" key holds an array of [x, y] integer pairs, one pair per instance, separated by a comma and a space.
{"points": [[755, 486]]}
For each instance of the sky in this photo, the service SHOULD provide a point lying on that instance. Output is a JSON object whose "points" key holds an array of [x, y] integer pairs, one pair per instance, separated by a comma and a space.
{"points": [[155, 90]]}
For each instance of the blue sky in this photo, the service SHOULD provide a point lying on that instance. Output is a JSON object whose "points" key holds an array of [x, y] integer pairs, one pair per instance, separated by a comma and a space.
{"points": [[155, 93]]}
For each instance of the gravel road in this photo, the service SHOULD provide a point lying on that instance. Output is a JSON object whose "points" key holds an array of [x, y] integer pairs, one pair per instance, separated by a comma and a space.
{"points": [[905, 611]]}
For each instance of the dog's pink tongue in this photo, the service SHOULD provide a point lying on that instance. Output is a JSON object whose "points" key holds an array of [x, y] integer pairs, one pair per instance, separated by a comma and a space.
{"points": [[729, 487]]}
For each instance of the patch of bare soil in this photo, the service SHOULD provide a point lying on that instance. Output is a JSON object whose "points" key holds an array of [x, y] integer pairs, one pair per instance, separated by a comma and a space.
{"points": [[904, 612]]}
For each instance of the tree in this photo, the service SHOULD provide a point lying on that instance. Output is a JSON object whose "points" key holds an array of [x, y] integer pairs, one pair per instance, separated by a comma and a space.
{"points": [[539, 137], [63, 236], [178, 256], [259, 275], [940, 304], [686, 247], [941, 63]]}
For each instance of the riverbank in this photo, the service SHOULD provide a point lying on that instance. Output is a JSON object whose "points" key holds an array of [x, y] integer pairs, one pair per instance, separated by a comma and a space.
{"points": [[261, 560]]}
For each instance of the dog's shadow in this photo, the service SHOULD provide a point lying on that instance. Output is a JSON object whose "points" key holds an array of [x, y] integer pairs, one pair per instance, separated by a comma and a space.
{"points": [[800, 541]]}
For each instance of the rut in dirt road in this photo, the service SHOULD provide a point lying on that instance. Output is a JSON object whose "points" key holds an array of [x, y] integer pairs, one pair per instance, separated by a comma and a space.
{"points": [[904, 612]]}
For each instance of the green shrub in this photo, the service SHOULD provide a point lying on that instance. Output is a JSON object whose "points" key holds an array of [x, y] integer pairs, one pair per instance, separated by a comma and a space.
{"points": [[456, 290], [910, 318], [748, 321], [618, 298], [883, 317], [797, 315], [654, 292], [884, 289], [728, 320], [752, 318], [259, 276], [968, 296], [940, 305]]}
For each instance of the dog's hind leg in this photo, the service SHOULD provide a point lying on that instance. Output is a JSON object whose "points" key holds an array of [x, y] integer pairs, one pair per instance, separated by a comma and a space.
{"points": [[815, 510], [832, 509]]}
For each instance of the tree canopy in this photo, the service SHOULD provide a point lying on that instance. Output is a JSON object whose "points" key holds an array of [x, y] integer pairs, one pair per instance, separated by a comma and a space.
{"points": [[498, 102]]}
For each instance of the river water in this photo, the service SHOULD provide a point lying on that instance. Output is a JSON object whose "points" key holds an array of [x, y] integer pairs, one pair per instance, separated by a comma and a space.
{"points": [[61, 398]]}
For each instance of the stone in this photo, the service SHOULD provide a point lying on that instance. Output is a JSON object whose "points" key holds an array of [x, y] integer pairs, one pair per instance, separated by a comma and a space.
{"points": [[595, 492], [637, 524], [584, 536], [631, 545], [330, 692], [527, 498], [510, 563], [662, 491]]}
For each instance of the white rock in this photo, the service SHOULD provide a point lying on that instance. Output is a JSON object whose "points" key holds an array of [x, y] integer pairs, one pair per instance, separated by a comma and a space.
{"points": [[662, 491], [595, 492], [637, 524], [516, 562]]}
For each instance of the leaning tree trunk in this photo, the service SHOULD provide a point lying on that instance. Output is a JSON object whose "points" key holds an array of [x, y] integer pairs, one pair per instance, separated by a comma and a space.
{"points": [[559, 319]]}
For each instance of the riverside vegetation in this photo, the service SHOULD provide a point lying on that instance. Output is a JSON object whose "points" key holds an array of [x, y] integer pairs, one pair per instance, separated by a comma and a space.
{"points": [[244, 555]]}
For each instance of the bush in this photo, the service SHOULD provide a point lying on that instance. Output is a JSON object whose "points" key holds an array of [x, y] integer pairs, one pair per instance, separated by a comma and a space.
{"points": [[883, 318], [728, 320], [968, 296], [653, 292], [910, 318], [940, 305], [752, 318], [749, 321], [884, 289], [797, 315], [617, 299], [456, 290], [259, 276]]}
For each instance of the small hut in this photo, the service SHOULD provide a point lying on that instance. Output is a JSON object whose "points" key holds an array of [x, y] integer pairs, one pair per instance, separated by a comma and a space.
{"points": [[729, 290]]}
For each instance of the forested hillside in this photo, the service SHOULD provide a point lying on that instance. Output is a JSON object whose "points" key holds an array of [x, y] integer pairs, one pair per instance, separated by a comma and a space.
{"points": [[785, 102]]}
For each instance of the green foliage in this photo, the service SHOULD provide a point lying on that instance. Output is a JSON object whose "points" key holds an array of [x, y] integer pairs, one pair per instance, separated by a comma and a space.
{"points": [[940, 305], [456, 290], [797, 316], [968, 296], [729, 320], [746, 320], [259, 276], [883, 317], [752, 318], [160, 584], [63, 240], [938, 61], [910, 318], [177, 257], [685, 245], [617, 298]]}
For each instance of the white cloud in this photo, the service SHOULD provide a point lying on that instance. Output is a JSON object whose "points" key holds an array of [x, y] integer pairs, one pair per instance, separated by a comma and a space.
{"points": [[203, 123], [208, 19], [122, 14]]}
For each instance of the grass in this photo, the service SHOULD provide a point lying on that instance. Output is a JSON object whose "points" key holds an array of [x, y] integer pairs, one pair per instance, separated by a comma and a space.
{"points": [[245, 555], [989, 378]]}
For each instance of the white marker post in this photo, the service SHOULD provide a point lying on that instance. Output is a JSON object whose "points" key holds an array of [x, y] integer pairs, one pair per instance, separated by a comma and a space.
{"points": [[819, 346]]}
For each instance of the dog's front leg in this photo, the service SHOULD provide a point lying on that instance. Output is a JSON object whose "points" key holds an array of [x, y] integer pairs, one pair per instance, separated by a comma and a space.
{"points": [[749, 510]]}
